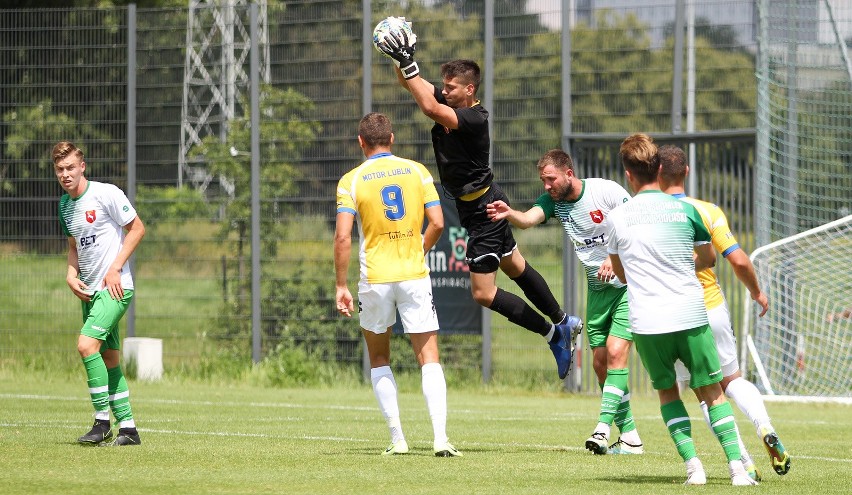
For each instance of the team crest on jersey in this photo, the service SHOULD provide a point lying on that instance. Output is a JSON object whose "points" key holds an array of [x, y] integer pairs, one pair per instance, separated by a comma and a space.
{"points": [[90, 216], [597, 216]]}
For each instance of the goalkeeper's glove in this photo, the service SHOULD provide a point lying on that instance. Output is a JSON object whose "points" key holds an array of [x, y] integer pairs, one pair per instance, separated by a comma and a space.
{"points": [[401, 50]]}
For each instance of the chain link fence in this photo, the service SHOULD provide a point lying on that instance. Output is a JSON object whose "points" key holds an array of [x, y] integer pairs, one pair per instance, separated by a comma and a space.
{"points": [[64, 75]]}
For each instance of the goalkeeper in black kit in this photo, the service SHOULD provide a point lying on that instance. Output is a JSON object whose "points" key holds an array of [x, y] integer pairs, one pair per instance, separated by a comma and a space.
{"points": [[461, 141]]}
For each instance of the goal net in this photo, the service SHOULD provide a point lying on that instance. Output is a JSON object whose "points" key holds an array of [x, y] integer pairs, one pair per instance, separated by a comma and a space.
{"points": [[802, 347]]}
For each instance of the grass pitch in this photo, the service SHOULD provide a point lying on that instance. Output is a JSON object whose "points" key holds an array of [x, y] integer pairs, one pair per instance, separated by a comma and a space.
{"points": [[235, 439]]}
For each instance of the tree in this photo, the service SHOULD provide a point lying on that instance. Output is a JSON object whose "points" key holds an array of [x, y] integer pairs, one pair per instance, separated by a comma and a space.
{"points": [[287, 126]]}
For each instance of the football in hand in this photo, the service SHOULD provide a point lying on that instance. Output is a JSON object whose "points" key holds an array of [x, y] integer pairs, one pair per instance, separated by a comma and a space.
{"points": [[388, 25]]}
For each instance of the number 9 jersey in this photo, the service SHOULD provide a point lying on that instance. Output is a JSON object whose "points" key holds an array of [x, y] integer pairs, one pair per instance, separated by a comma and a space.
{"points": [[388, 196]]}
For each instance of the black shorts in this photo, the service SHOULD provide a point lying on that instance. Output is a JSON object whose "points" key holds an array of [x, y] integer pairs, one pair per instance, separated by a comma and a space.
{"points": [[487, 241]]}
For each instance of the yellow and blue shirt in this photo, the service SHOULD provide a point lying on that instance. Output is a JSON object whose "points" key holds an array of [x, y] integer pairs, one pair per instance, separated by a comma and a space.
{"points": [[388, 196], [723, 240]]}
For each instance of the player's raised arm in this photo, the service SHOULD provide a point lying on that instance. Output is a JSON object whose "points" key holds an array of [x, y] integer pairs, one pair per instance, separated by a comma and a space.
{"points": [[401, 47]]}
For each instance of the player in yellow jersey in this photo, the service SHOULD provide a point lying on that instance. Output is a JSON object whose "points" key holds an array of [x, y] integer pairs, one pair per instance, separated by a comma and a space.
{"points": [[673, 171], [389, 197]]}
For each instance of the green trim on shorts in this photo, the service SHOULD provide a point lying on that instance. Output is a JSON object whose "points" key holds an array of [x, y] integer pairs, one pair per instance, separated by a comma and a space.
{"points": [[607, 314], [101, 316], [694, 347]]}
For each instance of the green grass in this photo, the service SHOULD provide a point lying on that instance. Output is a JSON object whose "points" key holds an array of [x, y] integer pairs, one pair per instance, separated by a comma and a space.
{"points": [[234, 438]]}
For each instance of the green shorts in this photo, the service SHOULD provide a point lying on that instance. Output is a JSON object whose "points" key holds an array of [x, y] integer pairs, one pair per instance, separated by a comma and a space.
{"points": [[694, 347], [101, 316], [607, 314]]}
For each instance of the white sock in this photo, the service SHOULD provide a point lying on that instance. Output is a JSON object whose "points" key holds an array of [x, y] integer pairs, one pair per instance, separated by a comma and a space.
{"points": [[603, 428], [747, 397], [102, 415], [129, 423], [632, 437], [549, 336], [435, 391], [694, 465], [384, 387], [736, 467], [706, 412]]}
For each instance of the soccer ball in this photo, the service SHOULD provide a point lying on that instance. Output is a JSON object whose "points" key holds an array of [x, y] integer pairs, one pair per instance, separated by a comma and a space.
{"points": [[389, 25]]}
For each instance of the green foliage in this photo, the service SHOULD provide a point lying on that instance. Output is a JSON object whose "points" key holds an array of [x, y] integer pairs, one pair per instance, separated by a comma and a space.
{"points": [[299, 305], [27, 128], [170, 204], [287, 125], [296, 367]]}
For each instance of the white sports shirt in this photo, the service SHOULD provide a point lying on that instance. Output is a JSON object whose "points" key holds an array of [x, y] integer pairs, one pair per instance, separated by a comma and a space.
{"points": [[586, 222], [654, 235], [96, 221]]}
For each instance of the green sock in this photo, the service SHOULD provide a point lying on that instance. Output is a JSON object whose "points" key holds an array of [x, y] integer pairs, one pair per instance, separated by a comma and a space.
{"points": [[680, 428], [612, 392], [119, 395], [96, 374], [624, 415], [722, 420]]}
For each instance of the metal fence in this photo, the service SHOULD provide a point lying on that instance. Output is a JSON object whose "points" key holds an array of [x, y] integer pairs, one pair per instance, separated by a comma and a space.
{"points": [[64, 75]]}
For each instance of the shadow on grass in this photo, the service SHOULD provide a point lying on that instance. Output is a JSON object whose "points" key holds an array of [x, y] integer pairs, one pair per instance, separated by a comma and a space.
{"points": [[664, 480]]}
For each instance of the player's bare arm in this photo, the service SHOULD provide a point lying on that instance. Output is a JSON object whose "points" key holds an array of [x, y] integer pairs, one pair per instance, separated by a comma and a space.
{"points": [[72, 278], [744, 270], [424, 94], [435, 216], [342, 250], [705, 257], [135, 231], [499, 210]]}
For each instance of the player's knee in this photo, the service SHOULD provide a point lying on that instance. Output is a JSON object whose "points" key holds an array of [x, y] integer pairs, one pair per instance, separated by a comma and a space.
{"points": [[483, 297], [87, 347]]}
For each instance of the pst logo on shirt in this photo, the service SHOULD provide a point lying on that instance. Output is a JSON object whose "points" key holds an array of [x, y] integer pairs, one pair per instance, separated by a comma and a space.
{"points": [[597, 216], [90, 216]]}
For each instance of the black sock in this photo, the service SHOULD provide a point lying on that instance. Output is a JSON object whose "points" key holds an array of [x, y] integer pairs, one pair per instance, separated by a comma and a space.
{"points": [[519, 312], [539, 293]]}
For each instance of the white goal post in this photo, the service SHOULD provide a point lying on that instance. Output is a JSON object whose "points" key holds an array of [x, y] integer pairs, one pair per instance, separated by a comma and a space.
{"points": [[802, 348]]}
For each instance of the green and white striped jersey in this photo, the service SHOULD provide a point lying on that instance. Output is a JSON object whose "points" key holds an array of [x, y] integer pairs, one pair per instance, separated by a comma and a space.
{"points": [[654, 235], [586, 221], [96, 220]]}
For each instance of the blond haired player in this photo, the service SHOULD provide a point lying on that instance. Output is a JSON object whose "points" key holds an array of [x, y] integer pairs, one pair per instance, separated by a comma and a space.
{"points": [[673, 172], [657, 244], [103, 231], [389, 197]]}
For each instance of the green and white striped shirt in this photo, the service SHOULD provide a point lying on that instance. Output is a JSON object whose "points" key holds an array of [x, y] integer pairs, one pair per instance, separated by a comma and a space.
{"points": [[654, 235], [96, 220], [586, 221]]}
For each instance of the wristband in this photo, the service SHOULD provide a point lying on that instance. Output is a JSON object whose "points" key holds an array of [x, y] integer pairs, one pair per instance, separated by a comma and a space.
{"points": [[410, 70]]}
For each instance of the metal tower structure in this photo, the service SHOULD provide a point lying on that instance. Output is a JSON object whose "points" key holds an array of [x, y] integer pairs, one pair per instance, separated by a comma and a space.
{"points": [[218, 43]]}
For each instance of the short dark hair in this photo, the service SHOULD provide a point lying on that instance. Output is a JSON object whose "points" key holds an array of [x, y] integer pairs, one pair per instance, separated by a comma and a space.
{"points": [[375, 129], [639, 157], [672, 164], [558, 159], [466, 70]]}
